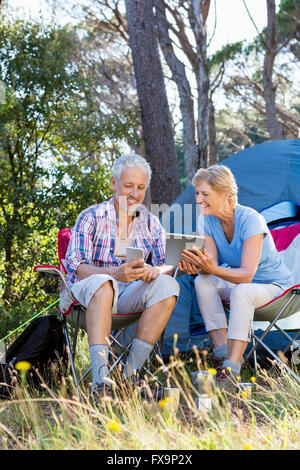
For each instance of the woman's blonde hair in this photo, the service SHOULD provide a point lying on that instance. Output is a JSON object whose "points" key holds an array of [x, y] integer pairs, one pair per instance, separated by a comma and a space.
{"points": [[220, 179]]}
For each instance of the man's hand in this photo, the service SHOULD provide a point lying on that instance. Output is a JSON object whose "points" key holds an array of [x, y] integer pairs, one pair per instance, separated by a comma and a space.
{"points": [[150, 274], [131, 271]]}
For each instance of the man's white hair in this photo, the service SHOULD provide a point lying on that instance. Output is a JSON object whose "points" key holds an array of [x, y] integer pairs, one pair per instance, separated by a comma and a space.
{"points": [[130, 160]]}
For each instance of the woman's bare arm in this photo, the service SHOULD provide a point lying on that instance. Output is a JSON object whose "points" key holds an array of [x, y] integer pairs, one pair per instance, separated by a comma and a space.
{"points": [[207, 263]]}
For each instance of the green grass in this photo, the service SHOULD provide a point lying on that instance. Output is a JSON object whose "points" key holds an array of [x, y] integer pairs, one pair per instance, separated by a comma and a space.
{"points": [[55, 419]]}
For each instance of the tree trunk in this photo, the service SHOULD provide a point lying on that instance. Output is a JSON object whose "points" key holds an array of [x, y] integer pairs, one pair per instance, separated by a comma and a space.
{"points": [[155, 115], [212, 158], [274, 128], [197, 14], [186, 103]]}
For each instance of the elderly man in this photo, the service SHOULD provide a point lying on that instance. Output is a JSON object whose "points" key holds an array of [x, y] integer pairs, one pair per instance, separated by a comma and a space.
{"points": [[104, 283]]}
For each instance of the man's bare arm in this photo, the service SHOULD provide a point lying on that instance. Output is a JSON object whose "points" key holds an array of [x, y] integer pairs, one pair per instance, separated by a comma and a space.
{"points": [[126, 272]]}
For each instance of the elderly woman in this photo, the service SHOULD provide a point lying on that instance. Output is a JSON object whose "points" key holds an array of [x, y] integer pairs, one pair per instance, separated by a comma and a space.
{"points": [[239, 264]]}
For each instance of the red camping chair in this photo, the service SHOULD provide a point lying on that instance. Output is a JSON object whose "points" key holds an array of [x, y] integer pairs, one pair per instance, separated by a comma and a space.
{"points": [[75, 313], [287, 242]]}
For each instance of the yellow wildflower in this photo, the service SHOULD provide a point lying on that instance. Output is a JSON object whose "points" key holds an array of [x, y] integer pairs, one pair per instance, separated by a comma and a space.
{"points": [[229, 368], [175, 336], [114, 426], [238, 378], [244, 394], [212, 371], [252, 379], [247, 447], [23, 365], [164, 402]]}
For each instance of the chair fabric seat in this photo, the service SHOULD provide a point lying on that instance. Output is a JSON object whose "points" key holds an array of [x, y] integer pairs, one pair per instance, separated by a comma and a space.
{"points": [[119, 320], [268, 311]]}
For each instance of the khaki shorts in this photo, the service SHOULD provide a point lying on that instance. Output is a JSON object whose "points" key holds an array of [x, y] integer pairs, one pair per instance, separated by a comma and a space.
{"points": [[129, 297]]}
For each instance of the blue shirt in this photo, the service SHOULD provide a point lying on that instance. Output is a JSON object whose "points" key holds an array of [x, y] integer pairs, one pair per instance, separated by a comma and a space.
{"points": [[248, 222]]}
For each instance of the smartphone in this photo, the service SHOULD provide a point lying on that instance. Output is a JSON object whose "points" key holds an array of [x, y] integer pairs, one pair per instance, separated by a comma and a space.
{"points": [[134, 253], [194, 252], [200, 245]]}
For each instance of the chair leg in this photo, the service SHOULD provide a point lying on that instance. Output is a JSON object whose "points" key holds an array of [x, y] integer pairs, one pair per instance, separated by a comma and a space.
{"points": [[254, 353], [67, 337], [271, 324], [292, 341], [75, 334], [258, 340]]}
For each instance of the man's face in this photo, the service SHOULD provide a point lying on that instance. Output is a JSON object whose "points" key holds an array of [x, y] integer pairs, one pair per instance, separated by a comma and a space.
{"points": [[130, 189]]}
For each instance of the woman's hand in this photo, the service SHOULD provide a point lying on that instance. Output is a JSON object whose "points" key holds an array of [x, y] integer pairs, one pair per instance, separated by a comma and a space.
{"points": [[188, 267], [201, 260]]}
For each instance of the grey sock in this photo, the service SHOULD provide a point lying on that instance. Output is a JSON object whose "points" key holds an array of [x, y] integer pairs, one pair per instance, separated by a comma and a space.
{"points": [[235, 367], [221, 351], [99, 358], [138, 353]]}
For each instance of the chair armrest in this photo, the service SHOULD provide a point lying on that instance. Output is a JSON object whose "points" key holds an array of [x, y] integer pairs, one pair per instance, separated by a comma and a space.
{"points": [[50, 270], [56, 272]]}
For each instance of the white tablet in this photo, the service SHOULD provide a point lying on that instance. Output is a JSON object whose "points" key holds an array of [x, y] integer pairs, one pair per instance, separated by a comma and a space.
{"points": [[177, 242]]}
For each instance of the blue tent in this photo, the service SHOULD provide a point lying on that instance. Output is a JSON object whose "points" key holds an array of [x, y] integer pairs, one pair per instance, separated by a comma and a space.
{"points": [[268, 178]]}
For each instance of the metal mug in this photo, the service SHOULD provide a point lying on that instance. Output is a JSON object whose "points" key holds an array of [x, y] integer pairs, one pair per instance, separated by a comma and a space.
{"points": [[174, 394], [203, 403], [202, 381], [247, 387], [296, 353]]}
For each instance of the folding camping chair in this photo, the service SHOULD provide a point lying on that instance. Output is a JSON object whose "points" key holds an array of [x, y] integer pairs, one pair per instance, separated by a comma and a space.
{"points": [[287, 242], [75, 313]]}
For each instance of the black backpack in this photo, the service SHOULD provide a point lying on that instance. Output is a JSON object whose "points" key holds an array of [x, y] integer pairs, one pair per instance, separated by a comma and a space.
{"points": [[42, 344]]}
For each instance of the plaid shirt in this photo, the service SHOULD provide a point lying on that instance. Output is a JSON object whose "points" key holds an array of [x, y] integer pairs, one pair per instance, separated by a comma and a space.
{"points": [[94, 234]]}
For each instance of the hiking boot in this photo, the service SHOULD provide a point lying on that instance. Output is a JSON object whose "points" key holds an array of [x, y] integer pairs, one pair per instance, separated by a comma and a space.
{"points": [[101, 394], [227, 381], [217, 363]]}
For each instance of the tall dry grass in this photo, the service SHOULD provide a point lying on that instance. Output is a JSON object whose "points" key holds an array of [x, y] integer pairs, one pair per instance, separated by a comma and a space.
{"points": [[56, 419]]}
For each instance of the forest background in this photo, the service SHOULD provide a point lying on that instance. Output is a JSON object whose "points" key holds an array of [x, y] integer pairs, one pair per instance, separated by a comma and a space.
{"points": [[117, 76]]}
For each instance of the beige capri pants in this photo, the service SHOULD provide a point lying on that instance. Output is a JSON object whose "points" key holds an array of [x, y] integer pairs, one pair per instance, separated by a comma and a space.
{"points": [[244, 298]]}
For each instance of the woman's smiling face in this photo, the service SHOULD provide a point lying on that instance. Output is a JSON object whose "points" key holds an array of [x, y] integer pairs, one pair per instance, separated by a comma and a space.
{"points": [[211, 201]]}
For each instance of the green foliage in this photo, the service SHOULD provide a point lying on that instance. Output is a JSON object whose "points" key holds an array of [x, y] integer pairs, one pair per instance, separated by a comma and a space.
{"points": [[287, 28], [226, 53], [287, 19], [237, 131], [56, 149]]}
